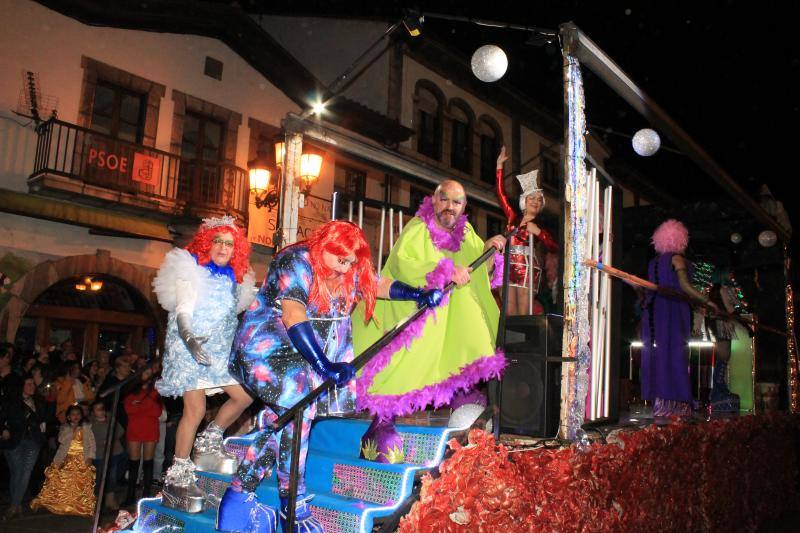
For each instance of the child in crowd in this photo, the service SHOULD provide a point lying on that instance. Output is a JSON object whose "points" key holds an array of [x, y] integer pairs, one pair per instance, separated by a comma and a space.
{"points": [[100, 430], [143, 407], [69, 481]]}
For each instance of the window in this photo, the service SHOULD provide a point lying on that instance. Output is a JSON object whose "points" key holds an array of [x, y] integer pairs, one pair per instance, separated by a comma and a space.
{"points": [[349, 181], [416, 196], [461, 145], [202, 138], [429, 124], [201, 151], [548, 173], [491, 141], [494, 226], [489, 152], [118, 112]]}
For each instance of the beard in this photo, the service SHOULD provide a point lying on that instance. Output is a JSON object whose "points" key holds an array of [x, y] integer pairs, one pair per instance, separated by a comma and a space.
{"points": [[447, 218]]}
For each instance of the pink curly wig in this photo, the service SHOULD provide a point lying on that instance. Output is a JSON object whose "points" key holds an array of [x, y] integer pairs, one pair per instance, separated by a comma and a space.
{"points": [[671, 237]]}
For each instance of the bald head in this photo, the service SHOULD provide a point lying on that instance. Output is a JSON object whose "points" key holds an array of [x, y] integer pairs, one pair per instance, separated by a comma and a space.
{"points": [[451, 187], [449, 202]]}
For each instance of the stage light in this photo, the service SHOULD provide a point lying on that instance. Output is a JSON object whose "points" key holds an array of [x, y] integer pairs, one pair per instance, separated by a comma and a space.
{"points": [[736, 238], [646, 142], [412, 21], [318, 108], [489, 63], [699, 343], [767, 238], [637, 344]]}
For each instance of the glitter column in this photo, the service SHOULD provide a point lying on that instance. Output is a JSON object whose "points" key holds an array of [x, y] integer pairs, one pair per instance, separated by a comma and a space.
{"points": [[791, 342], [576, 276]]}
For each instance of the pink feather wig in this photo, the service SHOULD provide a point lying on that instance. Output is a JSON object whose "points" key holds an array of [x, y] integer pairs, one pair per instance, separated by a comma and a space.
{"points": [[671, 237]]}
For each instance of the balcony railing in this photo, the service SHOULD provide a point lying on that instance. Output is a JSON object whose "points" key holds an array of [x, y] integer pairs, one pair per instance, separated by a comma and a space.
{"points": [[138, 173]]}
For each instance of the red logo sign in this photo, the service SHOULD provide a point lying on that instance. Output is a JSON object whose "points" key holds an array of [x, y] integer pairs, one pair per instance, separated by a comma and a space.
{"points": [[145, 169]]}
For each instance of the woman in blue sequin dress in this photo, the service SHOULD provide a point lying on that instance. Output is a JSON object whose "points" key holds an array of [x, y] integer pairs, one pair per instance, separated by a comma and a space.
{"points": [[203, 287]]}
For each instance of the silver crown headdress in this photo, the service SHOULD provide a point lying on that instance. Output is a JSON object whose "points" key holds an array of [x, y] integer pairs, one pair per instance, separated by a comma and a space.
{"points": [[216, 222], [530, 184]]}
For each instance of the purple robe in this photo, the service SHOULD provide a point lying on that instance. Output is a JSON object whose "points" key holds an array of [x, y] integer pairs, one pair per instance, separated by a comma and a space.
{"points": [[667, 321]]}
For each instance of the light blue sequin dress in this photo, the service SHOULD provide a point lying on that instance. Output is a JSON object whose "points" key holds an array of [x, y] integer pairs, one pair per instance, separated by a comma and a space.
{"points": [[214, 317]]}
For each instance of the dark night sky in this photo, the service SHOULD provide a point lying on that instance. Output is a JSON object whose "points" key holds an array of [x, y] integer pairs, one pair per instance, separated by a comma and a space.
{"points": [[727, 72]]}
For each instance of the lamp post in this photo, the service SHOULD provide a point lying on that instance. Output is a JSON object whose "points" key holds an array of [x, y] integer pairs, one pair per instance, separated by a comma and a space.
{"points": [[310, 169], [260, 174]]}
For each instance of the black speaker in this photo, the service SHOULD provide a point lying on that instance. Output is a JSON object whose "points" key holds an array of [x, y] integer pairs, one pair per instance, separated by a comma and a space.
{"points": [[531, 393]]}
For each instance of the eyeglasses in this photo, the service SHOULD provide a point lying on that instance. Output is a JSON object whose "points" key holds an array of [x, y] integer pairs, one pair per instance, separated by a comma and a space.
{"points": [[223, 242]]}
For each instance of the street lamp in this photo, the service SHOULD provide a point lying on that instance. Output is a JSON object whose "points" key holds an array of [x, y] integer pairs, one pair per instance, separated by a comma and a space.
{"points": [[260, 173], [310, 168]]}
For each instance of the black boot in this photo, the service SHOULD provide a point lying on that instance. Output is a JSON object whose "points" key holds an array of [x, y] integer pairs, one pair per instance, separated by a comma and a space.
{"points": [[133, 476], [147, 478]]}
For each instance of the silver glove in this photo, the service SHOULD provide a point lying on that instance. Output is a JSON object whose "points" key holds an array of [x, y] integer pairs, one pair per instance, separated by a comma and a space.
{"points": [[193, 343]]}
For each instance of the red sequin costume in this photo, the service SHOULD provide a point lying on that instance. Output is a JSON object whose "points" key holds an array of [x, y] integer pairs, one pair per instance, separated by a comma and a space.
{"points": [[519, 268], [518, 254]]}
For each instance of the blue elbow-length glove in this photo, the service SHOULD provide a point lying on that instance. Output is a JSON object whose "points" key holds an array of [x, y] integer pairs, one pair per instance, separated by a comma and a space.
{"points": [[401, 291], [305, 342]]}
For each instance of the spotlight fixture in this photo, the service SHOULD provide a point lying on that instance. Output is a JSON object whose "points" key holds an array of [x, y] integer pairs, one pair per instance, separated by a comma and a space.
{"points": [[412, 20]]}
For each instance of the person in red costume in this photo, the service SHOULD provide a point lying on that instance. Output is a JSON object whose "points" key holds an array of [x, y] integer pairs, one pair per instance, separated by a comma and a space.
{"points": [[521, 271]]}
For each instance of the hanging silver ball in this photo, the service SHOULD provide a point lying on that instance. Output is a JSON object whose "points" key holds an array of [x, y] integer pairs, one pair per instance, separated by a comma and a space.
{"points": [[489, 63], [646, 142], [767, 238]]}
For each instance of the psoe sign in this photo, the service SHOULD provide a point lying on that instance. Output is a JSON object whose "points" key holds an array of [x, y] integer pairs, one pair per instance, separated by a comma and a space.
{"points": [[146, 169], [108, 161]]}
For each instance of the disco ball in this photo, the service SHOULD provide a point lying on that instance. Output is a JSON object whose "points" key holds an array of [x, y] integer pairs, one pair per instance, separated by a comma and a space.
{"points": [[736, 238], [464, 416], [646, 142], [489, 63], [767, 238]]}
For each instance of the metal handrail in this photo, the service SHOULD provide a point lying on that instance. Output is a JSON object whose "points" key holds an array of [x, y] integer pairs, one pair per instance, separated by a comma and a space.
{"points": [[296, 411], [110, 435]]}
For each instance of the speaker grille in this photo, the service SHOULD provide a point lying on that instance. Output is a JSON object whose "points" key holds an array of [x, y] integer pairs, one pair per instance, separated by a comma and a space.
{"points": [[522, 397]]}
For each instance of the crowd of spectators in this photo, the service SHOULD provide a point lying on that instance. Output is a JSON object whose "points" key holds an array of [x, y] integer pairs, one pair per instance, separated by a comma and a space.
{"points": [[37, 390]]}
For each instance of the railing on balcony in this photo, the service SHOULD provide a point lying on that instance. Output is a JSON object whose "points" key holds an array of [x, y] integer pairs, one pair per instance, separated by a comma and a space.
{"points": [[206, 186], [75, 152]]}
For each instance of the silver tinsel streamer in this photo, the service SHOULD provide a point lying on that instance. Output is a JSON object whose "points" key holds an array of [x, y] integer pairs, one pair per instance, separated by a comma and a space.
{"points": [[576, 332]]}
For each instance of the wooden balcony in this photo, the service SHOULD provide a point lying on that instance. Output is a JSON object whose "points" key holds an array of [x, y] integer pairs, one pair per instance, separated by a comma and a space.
{"points": [[87, 167]]}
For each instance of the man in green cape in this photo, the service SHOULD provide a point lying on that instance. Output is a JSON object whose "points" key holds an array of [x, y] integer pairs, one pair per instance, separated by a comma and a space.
{"points": [[447, 350]]}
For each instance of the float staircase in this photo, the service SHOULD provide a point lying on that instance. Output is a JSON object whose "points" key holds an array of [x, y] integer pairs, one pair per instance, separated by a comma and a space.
{"points": [[351, 494]]}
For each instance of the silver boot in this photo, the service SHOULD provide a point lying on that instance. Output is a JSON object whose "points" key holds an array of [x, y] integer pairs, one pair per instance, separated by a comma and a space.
{"points": [[209, 452], [180, 489]]}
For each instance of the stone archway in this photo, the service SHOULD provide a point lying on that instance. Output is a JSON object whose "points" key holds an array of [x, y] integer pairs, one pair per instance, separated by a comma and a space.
{"points": [[30, 286]]}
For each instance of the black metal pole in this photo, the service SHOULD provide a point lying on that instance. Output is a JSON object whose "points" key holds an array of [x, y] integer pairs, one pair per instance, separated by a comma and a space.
{"points": [[496, 385], [112, 421], [294, 471]]}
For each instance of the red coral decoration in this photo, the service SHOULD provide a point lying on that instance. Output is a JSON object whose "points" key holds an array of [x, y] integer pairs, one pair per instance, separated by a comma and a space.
{"points": [[725, 475]]}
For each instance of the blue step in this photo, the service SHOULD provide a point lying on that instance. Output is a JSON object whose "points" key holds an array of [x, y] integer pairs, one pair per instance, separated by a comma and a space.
{"points": [[350, 492]]}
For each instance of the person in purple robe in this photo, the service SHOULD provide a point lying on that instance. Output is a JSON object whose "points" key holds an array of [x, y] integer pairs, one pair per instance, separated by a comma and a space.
{"points": [[666, 324]]}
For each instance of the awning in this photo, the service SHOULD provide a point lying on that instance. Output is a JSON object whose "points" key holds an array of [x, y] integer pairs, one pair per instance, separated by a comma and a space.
{"points": [[104, 220]]}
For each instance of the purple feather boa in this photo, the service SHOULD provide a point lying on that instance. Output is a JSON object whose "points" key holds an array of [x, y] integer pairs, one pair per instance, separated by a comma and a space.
{"points": [[442, 239], [387, 406], [437, 395], [497, 273]]}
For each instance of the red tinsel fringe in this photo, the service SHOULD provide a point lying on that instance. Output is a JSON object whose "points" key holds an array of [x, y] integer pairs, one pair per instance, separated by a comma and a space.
{"points": [[724, 475]]}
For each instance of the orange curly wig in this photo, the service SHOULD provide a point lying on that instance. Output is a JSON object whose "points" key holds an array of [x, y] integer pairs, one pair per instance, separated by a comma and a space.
{"points": [[201, 247], [342, 238]]}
